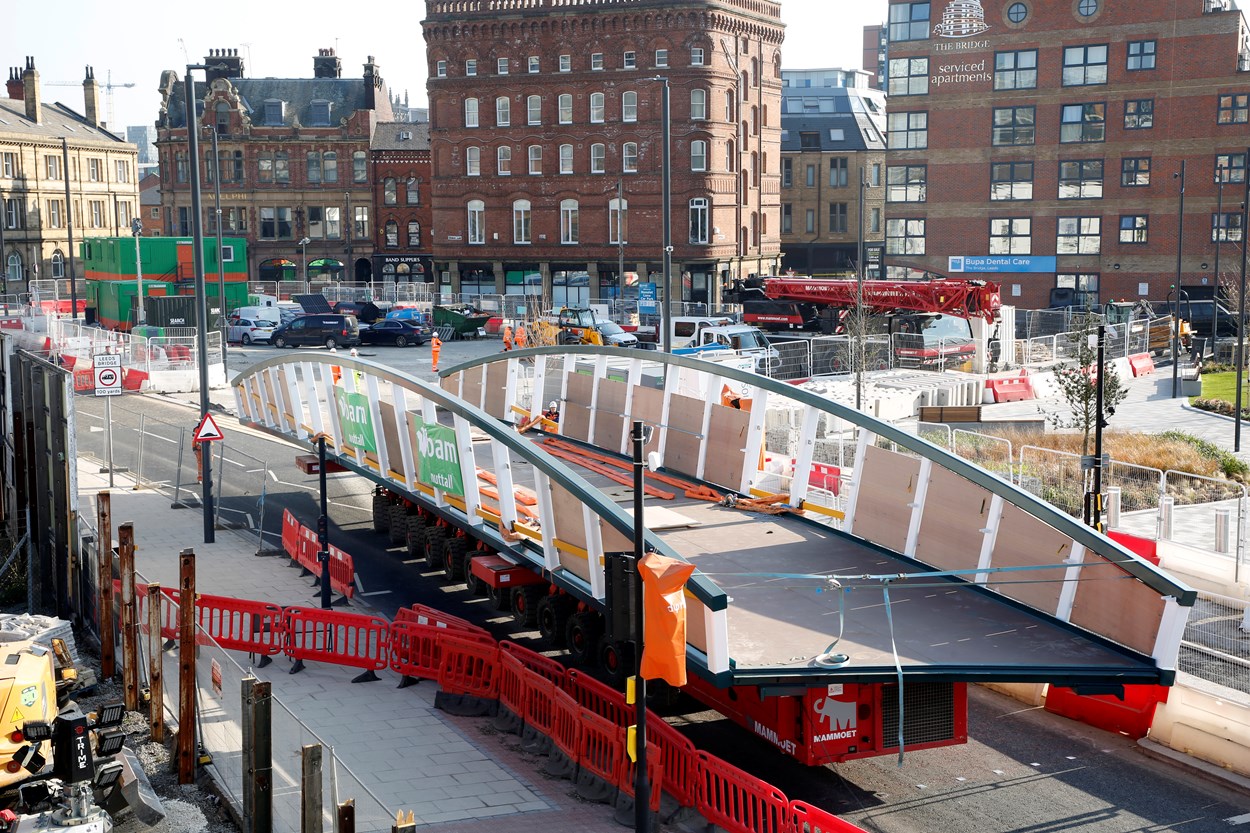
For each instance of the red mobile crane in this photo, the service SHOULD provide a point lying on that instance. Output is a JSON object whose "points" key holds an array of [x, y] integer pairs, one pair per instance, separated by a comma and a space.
{"points": [[928, 320]]}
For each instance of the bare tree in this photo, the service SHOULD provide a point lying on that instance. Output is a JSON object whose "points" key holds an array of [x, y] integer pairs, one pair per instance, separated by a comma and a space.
{"points": [[1078, 383]]}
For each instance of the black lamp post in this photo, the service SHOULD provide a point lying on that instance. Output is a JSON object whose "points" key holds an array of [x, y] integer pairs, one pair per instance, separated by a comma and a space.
{"points": [[1240, 352], [323, 526], [641, 788], [1176, 336]]}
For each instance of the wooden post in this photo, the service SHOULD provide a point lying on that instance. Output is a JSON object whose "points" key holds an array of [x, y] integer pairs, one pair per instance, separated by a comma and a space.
{"points": [[346, 820], [186, 667], [257, 756], [156, 672], [130, 641], [104, 581], [310, 789], [404, 822]]}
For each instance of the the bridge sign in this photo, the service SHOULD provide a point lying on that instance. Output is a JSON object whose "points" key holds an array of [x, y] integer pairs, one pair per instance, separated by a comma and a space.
{"points": [[356, 420]]}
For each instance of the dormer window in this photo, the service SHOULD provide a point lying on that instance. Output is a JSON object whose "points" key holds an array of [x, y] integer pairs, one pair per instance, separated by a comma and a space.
{"points": [[405, 135], [274, 112], [222, 111], [319, 112]]}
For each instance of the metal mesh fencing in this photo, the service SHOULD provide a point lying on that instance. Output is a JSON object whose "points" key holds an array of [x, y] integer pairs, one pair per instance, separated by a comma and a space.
{"points": [[991, 453], [794, 361], [1140, 486], [1054, 476], [937, 433], [1216, 644]]}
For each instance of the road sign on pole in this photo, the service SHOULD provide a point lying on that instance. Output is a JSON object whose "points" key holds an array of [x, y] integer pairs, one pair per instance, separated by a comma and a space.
{"points": [[107, 368], [207, 431]]}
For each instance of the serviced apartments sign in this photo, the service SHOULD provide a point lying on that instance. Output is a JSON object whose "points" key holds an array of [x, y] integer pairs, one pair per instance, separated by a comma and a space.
{"points": [[356, 420], [438, 460]]}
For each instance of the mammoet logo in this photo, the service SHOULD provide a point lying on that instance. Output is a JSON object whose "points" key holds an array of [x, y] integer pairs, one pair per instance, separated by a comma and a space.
{"points": [[839, 715], [961, 19], [770, 734]]}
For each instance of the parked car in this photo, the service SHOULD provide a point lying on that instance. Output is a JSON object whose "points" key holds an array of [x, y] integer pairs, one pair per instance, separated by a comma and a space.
{"points": [[249, 330], [328, 329], [394, 331]]}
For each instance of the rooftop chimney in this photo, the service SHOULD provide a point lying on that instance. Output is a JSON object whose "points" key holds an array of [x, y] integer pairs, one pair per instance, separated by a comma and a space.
{"points": [[30, 91], [15, 84], [327, 65], [91, 94], [223, 63], [373, 82]]}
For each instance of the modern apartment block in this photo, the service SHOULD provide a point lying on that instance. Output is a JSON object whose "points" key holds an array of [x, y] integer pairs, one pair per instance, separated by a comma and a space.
{"points": [[832, 141], [546, 128], [1041, 144]]}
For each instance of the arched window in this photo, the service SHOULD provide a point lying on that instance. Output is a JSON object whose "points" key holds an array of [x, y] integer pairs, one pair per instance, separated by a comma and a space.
{"points": [[503, 111], [698, 104], [473, 161], [222, 111], [755, 71], [14, 267], [470, 112], [629, 158], [329, 167], [392, 234], [698, 155], [414, 234], [360, 170], [596, 108], [534, 109], [264, 167], [281, 166], [477, 222], [729, 105], [755, 168], [390, 195], [521, 221], [566, 109], [731, 158], [598, 157], [58, 264], [745, 86], [412, 191], [569, 222], [629, 106], [755, 121], [698, 220], [566, 159], [618, 221], [503, 160], [755, 230]]}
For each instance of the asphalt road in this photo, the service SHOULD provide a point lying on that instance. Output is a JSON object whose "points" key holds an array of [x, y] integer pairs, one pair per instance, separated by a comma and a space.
{"points": [[1023, 770]]}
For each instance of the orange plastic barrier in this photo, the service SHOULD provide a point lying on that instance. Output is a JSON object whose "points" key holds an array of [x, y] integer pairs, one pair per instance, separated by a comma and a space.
{"points": [[342, 572], [133, 379], [415, 649], [536, 662], [241, 625], [84, 379], [353, 639], [680, 758], [512, 684], [1131, 716], [603, 700], [540, 703], [600, 755], [290, 534], [739, 802], [813, 819], [655, 772], [425, 615], [468, 666], [309, 546], [1011, 388], [1141, 364], [566, 729], [1147, 548]]}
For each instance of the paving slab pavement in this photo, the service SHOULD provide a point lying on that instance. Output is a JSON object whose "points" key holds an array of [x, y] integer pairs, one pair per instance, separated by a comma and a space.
{"points": [[455, 773]]}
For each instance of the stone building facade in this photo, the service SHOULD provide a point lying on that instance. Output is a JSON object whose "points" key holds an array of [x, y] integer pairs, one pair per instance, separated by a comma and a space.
{"points": [[546, 128], [400, 159]]}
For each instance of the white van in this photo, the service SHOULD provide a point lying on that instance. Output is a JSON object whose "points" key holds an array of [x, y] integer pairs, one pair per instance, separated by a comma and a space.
{"points": [[272, 314]]}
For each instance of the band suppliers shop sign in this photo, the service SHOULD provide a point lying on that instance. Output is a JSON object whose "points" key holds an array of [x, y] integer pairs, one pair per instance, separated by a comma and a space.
{"points": [[356, 420], [438, 459]]}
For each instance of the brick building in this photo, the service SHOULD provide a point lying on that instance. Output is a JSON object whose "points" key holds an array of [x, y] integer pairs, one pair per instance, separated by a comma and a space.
{"points": [[542, 111], [832, 139], [400, 158], [293, 158], [101, 170], [1039, 144]]}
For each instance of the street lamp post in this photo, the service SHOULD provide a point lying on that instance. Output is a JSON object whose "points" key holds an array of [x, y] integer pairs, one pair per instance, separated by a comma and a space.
{"points": [[69, 227], [221, 266], [197, 253], [136, 228], [1221, 172], [861, 325], [620, 235], [323, 526], [642, 804], [303, 253], [666, 212], [1180, 236], [349, 228], [1240, 352]]}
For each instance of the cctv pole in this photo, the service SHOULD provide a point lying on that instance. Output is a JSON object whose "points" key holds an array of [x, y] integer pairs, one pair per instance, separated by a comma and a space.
{"points": [[642, 790], [201, 330]]}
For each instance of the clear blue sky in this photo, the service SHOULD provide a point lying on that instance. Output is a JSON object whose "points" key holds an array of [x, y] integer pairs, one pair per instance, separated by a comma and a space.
{"points": [[135, 41]]}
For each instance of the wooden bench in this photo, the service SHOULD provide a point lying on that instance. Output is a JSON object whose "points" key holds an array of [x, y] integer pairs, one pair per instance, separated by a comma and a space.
{"points": [[952, 413]]}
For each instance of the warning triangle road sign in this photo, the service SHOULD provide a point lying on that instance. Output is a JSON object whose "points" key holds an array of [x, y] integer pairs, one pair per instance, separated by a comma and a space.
{"points": [[207, 431]]}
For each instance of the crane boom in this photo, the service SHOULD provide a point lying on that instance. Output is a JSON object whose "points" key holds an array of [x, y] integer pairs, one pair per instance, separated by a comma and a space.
{"points": [[949, 296]]}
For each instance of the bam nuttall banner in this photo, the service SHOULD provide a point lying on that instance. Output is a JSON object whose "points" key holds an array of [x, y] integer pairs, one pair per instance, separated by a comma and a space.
{"points": [[356, 420], [438, 460]]}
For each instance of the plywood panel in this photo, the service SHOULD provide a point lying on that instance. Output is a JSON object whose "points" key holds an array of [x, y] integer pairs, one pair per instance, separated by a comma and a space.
{"points": [[727, 436], [1023, 540], [648, 406], [955, 512], [566, 510], [686, 413], [390, 435], [887, 484], [581, 388], [496, 388], [471, 387], [611, 396], [575, 421], [451, 383], [608, 429], [1121, 608], [613, 539], [696, 628], [681, 453]]}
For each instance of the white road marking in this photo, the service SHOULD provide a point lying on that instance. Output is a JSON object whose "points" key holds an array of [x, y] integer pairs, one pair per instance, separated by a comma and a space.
{"points": [[1244, 818], [376, 593]]}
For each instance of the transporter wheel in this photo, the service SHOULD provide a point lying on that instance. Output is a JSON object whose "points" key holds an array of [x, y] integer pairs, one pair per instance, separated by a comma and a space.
{"points": [[453, 559], [472, 583], [500, 598], [399, 523], [381, 512], [553, 618], [415, 536], [581, 636], [525, 603], [435, 542], [617, 661]]}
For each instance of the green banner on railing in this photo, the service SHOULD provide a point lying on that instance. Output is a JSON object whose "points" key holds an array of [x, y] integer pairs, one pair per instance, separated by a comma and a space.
{"points": [[438, 460], [356, 420]]}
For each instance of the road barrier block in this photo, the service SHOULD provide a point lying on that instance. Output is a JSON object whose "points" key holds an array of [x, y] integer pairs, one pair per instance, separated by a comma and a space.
{"points": [[813, 819], [603, 700], [739, 802], [342, 573], [425, 615], [680, 758], [1011, 388], [241, 625], [290, 534], [468, 675], [540, 713], [565, 736], [628, 776], [511, 715], [1141, 364], [600, 757], [1131, 716], [352, 639], [536, 662]]}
